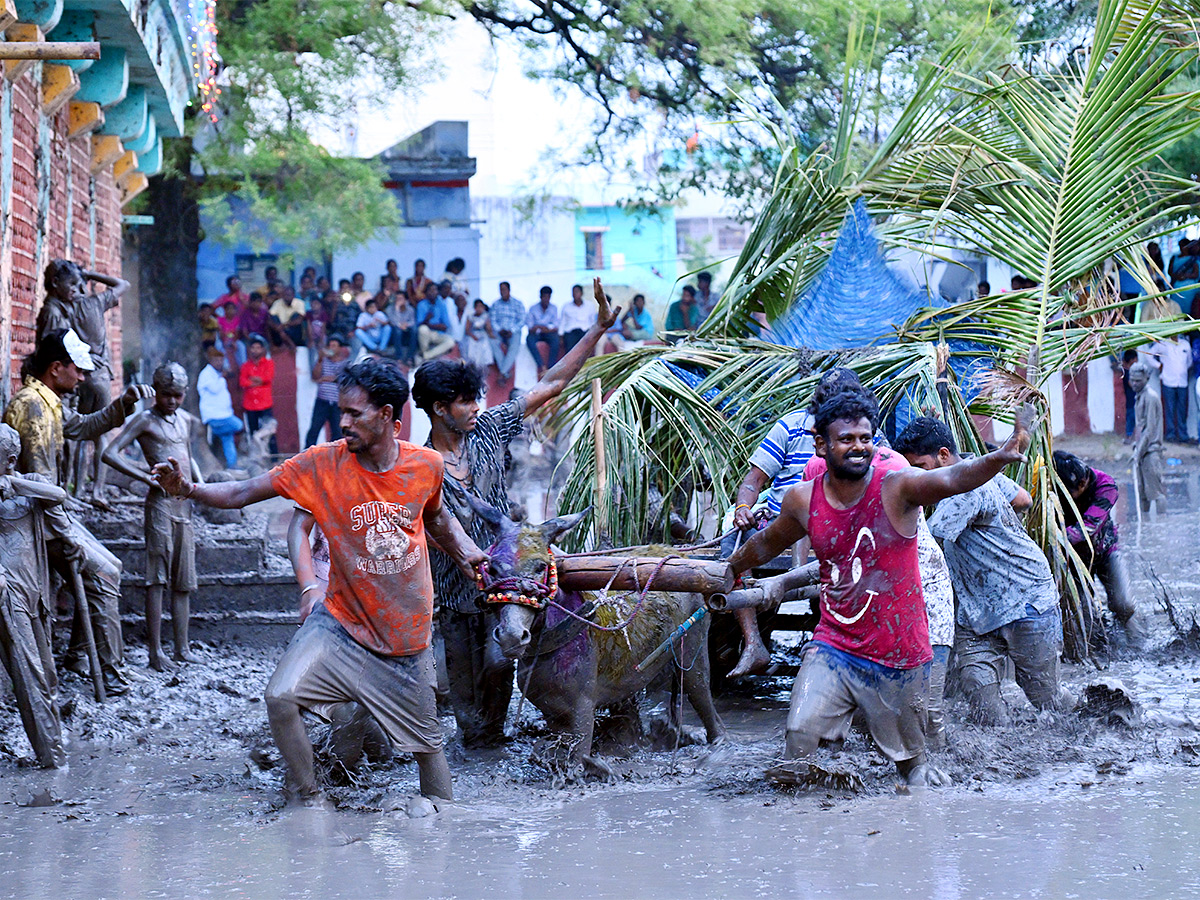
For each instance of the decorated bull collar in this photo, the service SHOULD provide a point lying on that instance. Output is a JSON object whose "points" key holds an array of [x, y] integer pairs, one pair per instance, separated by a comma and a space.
{"points": [[521, 591]]}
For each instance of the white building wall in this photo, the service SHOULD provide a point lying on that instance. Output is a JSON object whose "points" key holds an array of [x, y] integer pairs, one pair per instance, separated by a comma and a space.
{"points": [[526, 243]]}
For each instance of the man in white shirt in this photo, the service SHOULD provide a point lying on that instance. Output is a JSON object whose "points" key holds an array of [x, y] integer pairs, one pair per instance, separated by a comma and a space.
{"points": [[1172, 357], [216, 406], [575, 319]]}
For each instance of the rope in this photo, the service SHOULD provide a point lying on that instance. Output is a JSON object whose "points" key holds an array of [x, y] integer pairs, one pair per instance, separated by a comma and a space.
{"points": [[604, 594]]}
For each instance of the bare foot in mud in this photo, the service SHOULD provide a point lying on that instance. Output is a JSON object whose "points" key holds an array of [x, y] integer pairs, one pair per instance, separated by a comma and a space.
{"points": [[754, 661], [184, 656], [310, 799], [159, 663], [925, 775], [801, 773]]}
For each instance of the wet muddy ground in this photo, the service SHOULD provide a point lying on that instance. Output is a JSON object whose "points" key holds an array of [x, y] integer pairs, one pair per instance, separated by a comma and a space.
{"points": [[173, 790]]}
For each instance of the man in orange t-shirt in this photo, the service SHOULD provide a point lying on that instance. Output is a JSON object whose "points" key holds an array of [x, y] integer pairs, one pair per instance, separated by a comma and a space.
{"points": [[375, 498]]}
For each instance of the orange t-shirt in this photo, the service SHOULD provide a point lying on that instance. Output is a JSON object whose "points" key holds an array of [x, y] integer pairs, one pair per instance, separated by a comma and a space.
{"points": [[380, 588]]}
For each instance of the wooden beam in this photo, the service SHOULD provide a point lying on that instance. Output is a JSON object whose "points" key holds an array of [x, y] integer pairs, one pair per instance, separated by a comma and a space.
{"points": [[8, 13], [40, 49], [124, 167], [59, 84], [106, 150], [134, 185], [86, 117], [23, 33]]}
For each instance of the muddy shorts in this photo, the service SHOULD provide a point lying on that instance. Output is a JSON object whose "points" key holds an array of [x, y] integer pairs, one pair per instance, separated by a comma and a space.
{"points": [[831, 686], [324, 665], [170, 545]]}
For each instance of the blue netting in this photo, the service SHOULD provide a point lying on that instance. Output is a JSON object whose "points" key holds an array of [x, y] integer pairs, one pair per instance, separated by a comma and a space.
{"points": [[857, 298]]}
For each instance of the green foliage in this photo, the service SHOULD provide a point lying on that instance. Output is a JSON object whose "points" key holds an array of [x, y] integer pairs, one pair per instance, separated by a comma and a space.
{"points": [[293, 70], [667, 69], [1043, 173]]}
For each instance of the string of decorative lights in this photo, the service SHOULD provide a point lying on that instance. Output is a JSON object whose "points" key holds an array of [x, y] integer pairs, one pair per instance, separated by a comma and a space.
{"points": [[205, 57]]}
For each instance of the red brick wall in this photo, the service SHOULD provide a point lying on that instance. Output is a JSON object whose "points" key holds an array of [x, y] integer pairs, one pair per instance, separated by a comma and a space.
{"points": [[73, 197]]}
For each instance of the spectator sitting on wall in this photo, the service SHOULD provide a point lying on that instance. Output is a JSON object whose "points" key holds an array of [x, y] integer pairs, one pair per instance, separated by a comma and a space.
{"points": [[453, 274], [575, 319], [210, 325], [403, 319], [233, 294], [288, 313], [345, 317], [271, 278], [415, 286], [358, 284], [433, 324], [373, 330], [542, 322], [391, 270], [683, 314], [637, 324], [459, 316]]}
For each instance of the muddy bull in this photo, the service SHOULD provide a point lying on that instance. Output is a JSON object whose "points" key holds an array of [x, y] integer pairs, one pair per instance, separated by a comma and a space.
{"points": [[568, 668]]}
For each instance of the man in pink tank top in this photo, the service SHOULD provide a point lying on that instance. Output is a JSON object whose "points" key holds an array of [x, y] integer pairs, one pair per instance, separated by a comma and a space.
{"points": [[871, 649]]}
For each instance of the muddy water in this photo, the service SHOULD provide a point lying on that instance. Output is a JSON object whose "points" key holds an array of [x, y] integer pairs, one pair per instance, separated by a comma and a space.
{"points": [[1127, 837]]}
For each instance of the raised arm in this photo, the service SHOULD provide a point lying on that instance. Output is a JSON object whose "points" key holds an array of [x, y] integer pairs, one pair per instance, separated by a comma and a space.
{"points": [[560, 375], [789, 526], [450, 537], [119, 285], [114, 457], [920, 487], [223, 495]]}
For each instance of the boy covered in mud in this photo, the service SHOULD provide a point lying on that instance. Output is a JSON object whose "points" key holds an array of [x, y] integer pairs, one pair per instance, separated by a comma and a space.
{"points": [[1008, 605], [369, 639], [30, 505], [163, 432], [871, 650], [1147, 440]]}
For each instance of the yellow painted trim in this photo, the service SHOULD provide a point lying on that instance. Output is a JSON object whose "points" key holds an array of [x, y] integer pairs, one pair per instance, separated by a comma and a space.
{"points": [[59, 84], [85, 117], [21, 31], [106, 150], [134, 185]]}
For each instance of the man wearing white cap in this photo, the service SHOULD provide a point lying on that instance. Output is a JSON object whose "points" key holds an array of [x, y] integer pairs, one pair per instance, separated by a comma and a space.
{"points": [[44, 422]]}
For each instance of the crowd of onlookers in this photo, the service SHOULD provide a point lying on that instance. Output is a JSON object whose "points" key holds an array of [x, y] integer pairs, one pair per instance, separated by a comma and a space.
{"points": [[409, 319]]}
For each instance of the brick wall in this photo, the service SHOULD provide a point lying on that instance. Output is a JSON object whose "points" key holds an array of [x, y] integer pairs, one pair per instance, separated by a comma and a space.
{"points": [[52, 193]]}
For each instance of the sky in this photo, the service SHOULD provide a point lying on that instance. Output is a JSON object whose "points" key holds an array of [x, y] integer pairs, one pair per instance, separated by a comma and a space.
{"points": [[515, 123]]}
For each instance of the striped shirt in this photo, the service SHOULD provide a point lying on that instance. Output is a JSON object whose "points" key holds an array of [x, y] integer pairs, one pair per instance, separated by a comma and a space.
{"points": [[508, 315], [783, 454], [328, 390], [487, 447]]}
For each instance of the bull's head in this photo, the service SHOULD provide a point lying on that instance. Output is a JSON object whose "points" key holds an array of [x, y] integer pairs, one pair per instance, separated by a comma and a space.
{"points": [[521, 574]]}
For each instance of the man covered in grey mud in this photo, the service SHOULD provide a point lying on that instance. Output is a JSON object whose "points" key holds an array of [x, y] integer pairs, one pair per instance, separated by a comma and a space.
{"points": [[1008, 605], [368, 641], [1147, 440], [1093, 535], [68, 305], [30, 508], [473, 446], [871, 650], [162, 432], [44, 422]]}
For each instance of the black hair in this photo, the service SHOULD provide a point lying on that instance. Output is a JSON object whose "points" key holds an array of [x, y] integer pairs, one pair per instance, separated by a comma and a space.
{"points": [[255, 295], [544, 290], [850, 405], [385, 265], [444, 381], [688, 289], [704, 276], [925, 436], [1130, 356], [836, 381], [57, 267], [342, 281], [50, 349], [204, 304], [985, 286], [456, 265], [383, 383], [580, 286], [229, 282], [274, 269], [1072, 471], [421, 261], [337, 336], [358, 275], [506, 284]]}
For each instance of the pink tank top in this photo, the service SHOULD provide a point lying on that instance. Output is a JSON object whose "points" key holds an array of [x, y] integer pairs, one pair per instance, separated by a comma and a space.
{"points": [[871, 600]]}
